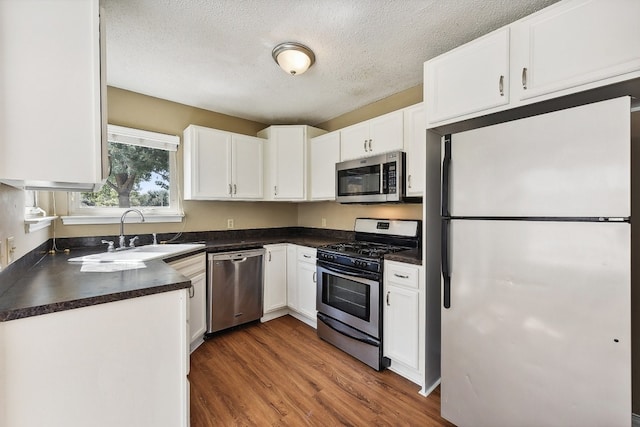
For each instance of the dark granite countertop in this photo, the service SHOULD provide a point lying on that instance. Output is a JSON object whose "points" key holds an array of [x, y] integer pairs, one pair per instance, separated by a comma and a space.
{"points": [[53, 284]]}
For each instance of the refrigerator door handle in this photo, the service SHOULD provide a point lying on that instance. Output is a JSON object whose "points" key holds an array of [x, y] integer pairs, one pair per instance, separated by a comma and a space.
{"points": [[446, 171], [444, 257]]}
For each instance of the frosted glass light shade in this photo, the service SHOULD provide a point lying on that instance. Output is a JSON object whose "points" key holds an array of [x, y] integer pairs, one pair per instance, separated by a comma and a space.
{"points": [[293, 58]]}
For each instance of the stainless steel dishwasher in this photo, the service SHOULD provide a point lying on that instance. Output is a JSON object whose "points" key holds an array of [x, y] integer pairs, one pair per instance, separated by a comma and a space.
{"points": [[234, 288]]}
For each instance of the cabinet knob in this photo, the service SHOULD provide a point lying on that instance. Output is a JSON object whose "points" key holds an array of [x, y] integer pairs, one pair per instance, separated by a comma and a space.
{"points": [[524, 78]]}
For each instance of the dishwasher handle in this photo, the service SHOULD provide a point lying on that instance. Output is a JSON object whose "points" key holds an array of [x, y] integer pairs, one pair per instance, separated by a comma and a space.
{"points": [[236, 256]]}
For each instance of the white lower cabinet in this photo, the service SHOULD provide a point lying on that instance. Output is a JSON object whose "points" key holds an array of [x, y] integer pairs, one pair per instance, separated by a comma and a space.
{"points": [[292, 277], [195, 268], [275, 281], [123, 363], [305, 285], [404, 320]]}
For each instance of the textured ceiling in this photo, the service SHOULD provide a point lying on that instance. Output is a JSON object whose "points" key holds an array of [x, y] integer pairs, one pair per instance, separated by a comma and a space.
{"points": [[216, 54]]}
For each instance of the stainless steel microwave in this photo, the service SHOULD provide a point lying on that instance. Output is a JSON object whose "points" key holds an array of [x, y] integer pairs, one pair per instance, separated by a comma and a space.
{"points": [[375, 179]]}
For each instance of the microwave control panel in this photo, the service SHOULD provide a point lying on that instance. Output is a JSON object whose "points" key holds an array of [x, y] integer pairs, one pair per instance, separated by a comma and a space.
{"points": [[389, 180]]}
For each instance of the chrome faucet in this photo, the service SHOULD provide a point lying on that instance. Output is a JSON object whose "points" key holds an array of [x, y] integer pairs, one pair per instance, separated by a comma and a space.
{"points": [[122, 239]]}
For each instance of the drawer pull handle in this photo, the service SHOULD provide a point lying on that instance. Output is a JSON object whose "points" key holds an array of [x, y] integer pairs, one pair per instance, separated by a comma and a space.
{"points": [[365, 145], [192, 291], [524, 78], [401, 276], [306, 256], [315, 276], [501, 85], [388, 297]]}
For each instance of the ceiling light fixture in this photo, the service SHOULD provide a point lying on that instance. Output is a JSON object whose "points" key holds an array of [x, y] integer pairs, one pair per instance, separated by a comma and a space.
{"points": [[293, 58]]}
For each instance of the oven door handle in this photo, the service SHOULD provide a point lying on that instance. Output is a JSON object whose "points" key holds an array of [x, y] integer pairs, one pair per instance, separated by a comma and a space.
{"points": [[347, 331], [360, 276]]}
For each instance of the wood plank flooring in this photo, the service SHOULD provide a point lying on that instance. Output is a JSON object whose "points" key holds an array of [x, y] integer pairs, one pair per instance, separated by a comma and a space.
{"points": [[280, 373]]}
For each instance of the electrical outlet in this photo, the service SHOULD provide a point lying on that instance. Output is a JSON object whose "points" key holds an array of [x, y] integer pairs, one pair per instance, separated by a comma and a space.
{"points": [[230, 223], [11, 250], [324, 222]]}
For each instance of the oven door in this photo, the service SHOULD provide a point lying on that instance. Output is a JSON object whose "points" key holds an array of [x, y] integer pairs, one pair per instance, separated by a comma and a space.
{"points": [[350, 297]]}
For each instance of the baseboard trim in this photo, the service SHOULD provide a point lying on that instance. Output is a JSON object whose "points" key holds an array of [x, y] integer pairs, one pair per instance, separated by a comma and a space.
{"points": [[427, 391]]}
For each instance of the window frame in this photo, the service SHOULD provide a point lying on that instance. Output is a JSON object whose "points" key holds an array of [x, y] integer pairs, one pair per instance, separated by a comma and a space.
{"points": [[107, 215]]}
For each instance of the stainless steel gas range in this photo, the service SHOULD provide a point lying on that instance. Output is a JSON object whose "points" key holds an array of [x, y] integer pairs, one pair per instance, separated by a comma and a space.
{"points": [[349, 294]]}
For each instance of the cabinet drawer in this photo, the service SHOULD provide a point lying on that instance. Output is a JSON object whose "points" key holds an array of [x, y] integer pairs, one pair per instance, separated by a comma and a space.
{"points": [[403, 275], [306, 254], [191, 266]]}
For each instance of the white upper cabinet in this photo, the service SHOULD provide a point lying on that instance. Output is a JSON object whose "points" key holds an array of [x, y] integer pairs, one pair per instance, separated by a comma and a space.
{"points": [[247, 160], [471, 78], [53, 85], [221, 165], [569, 47], [575, 43], [415, 132], [286, 161], [375, 136], [325, 153]]}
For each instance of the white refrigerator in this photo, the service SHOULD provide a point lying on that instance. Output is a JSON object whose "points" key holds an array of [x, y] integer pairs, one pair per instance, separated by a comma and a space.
{"points": [[536, 262]]}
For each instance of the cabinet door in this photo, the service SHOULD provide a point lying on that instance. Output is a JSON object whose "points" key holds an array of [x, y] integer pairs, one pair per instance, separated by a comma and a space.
{"points": [[292, 277], [207, 160], [401, 325], [354, 141], [385, 133], [290, 171], [52, 126], [415, 140], [275, 278], [247, 160], [325, 153], [197, 308], [574, 43], [307, 289], [469, 79]]}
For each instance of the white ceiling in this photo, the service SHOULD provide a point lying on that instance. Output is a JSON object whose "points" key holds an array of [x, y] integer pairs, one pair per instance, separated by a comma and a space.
{"points": [[216, 54]]}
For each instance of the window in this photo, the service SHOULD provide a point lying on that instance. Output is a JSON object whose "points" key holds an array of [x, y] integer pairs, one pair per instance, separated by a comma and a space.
{"points": [[142, 175]]}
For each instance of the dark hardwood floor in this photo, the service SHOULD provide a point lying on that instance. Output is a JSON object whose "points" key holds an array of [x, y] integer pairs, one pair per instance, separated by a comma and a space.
{"points": [[280, 373]]}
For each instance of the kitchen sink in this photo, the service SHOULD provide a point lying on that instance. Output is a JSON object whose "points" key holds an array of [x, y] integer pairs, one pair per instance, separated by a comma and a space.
{"points": [[141, 253]]}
